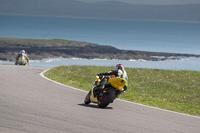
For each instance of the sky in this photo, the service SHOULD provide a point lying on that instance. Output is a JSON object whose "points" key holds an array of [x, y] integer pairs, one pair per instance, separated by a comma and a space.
{"points": [[151, 2]]}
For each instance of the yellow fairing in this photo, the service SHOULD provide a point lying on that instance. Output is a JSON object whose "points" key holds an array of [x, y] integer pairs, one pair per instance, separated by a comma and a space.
{"points": [[92, 98], [117, 83]]}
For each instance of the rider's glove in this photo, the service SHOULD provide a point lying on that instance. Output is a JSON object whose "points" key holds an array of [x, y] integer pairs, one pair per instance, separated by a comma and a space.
{"points": [[99, 74]]}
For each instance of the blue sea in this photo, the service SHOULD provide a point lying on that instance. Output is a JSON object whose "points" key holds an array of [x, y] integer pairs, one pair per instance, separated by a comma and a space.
{"points": [[162, 36]]}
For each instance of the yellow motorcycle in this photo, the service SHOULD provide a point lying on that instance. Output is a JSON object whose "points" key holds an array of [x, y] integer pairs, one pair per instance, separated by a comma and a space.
{"points": [[22, 62], [107, 95]]}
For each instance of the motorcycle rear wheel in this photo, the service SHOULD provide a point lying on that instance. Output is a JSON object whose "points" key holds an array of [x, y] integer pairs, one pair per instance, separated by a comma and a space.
{"points": [[106, 98]]}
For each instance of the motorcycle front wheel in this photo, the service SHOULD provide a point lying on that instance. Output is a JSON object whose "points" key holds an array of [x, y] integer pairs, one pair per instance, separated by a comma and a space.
{"points": [[87, 98], [106, 98]]}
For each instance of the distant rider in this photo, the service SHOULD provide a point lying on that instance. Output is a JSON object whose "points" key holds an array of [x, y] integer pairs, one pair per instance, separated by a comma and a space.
{"points": [[22, 58], [119, 72]]}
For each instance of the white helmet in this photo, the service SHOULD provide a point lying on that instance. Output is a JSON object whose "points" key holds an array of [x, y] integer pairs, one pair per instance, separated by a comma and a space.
{"points": [[119, 66], [22, 51]]}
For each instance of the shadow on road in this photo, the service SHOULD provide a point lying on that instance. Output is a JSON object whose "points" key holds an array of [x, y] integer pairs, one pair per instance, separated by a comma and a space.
{"points": [[93, 106]]}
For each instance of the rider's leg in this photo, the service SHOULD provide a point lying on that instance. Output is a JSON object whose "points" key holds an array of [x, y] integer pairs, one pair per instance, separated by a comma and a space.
{"points": [[104, 81]]}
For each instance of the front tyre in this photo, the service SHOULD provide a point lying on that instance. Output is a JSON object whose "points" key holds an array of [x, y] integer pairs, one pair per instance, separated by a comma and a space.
{"points": [[106, 98], [87, 98]]}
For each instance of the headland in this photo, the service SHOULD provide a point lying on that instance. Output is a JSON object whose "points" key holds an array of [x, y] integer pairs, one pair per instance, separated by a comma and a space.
{"points": [[38, 49]]}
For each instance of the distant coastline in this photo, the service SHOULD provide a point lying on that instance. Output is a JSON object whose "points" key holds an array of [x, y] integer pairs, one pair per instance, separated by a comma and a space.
{"points": [[102, 18], [38, 49]]}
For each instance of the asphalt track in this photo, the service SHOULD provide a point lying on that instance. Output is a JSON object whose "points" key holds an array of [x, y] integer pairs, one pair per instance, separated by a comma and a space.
{"points": [[30, 103]]}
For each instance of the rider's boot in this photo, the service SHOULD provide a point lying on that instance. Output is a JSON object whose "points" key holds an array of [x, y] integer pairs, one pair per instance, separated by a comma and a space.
{"points": [[119, 93]]}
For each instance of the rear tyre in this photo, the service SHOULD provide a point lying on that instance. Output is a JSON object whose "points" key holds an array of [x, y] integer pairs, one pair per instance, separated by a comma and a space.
{"points": [[106, 98], [87, 98]]}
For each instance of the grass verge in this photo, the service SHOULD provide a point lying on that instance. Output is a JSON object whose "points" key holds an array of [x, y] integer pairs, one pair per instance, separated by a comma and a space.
{"points": [[172, 90]]}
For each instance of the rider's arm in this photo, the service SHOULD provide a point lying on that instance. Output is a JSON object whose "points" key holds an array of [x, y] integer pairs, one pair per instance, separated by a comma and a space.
{"points": [[114, 72]]}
